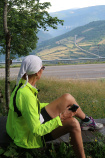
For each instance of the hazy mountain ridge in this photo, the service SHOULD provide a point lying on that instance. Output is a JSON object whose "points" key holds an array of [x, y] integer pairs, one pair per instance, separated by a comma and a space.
{"points": [[43, 36], [77, 17]]}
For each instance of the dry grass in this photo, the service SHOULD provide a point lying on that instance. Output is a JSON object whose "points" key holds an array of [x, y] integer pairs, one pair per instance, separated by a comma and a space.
{"points": [[89, 94]]}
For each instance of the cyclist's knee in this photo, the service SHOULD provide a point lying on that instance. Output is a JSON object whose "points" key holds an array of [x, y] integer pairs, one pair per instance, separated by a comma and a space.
{"points": [[73, 125], [68, 98]]}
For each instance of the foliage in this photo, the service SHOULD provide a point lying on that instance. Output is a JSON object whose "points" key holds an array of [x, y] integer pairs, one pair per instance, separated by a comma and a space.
{"points": [[51, 150], [95, 149], [56, 150], [25, 18], [62, 150]]}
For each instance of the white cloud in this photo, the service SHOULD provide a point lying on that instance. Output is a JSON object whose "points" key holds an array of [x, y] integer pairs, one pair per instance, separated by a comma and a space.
{"points": [[58, 5]]}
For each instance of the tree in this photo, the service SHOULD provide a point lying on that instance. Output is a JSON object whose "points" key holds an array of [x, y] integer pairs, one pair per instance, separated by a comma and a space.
{"points": [[22, 20]]}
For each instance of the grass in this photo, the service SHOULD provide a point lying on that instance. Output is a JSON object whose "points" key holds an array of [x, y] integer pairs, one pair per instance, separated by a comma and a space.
{"points": [[91, 97]]}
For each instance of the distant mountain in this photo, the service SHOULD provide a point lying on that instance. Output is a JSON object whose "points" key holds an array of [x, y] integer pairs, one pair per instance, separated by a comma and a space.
{"points": [[43, 36], [82, 42], [77, 17], [2, 58]]}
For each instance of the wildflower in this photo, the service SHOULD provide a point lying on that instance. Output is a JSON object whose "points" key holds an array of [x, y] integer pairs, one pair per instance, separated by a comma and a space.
{"points": [[95, 140]]}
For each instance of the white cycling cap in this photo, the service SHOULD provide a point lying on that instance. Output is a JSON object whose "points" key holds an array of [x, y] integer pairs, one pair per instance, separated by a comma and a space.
{"points": [[31, 64]]}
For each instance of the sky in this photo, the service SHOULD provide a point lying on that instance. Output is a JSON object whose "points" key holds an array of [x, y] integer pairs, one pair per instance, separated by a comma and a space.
{"points": [[58, 5]]}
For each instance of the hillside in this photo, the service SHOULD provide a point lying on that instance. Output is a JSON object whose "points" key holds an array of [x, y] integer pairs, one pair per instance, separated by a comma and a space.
{"points": [[42, 35], [90, 37], [77, 17]]}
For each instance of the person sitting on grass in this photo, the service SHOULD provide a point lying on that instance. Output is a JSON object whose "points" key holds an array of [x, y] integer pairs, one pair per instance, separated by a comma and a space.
{"points": [[31, 124]]}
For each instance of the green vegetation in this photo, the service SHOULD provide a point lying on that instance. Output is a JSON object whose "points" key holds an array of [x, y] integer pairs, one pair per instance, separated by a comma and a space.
{"points": [[92, 150], [90, 37], [91, 97]]}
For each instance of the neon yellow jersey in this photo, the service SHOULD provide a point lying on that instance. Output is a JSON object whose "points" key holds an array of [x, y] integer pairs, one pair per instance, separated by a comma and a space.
{"points": [[26, 130]]}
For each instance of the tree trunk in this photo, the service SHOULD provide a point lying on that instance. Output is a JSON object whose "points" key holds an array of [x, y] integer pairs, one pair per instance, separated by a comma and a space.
{"points": [[7, 57], [7, 71]]}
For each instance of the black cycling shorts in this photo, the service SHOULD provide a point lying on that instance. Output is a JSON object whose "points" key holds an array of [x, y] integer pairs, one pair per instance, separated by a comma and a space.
{"points": [[47, 117]]}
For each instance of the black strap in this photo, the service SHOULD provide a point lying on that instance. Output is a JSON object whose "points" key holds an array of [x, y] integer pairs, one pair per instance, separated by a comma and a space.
{"points": [[14, 101], [38, 106], [38, 103]]}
